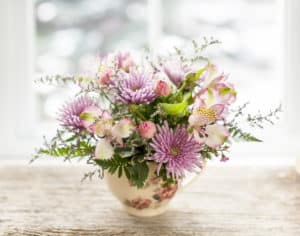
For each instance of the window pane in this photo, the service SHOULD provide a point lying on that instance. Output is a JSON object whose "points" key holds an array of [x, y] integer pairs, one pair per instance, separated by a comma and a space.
{"points": [[72, 34], [249, 32]]}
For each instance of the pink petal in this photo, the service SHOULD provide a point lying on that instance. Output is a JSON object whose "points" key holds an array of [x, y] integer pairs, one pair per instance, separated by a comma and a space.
{"points": [[218, 109]]}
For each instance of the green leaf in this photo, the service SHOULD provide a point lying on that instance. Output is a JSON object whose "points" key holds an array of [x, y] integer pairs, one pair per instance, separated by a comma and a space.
{"points": [[72, 138], [127, 172], [140, 171], [120, 172], [136, 172], [167, 179], [193, 77], [179, 97], [187, 97], [224, 91], [238, 134], [200, 72], [174, 109], [112, 169]]}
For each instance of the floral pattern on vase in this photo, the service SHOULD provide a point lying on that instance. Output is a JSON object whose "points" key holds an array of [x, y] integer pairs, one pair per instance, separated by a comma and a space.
{"points": [[166, 192], [150, 200], [139, 203], [159, 190]]}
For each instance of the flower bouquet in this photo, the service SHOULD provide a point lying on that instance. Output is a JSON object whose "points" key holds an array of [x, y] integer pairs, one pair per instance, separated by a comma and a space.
{"points": [[145, 126]]}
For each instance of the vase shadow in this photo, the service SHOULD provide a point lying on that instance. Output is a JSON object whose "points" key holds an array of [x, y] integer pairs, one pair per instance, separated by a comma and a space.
{"points": [[164, 224]]}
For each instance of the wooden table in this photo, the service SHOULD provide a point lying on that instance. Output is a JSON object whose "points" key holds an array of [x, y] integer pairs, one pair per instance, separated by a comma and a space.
{"points": [[226, 200]]}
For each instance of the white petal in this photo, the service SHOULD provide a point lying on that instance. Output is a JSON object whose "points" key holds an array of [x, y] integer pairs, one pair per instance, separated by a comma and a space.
{"points": [[123, 129], [217, 135], [104, 150]]}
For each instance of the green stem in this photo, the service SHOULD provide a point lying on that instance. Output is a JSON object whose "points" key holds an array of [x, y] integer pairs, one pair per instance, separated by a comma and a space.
{"points": [[133, 109], [140, 115], [105, 95], [182, 87]]}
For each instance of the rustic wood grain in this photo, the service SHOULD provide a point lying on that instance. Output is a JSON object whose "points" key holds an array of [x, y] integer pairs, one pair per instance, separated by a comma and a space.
{"points": [[225, 201]]}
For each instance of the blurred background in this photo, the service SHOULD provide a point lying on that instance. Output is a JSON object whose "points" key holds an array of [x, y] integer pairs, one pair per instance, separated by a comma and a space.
{"points": [[67, 37], [70, 35]]}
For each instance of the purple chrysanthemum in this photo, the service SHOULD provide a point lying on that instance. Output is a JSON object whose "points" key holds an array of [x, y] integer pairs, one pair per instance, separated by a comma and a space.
{"points": [[70, 113], [176, 149], [137, 88]]}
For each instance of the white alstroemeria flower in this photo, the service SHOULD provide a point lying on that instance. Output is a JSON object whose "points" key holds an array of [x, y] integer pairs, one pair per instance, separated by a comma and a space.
{"points": [[213, 136], [123, 129], [103, 125], [209, 76], [104, 149], [217, 135], [89, 115]]}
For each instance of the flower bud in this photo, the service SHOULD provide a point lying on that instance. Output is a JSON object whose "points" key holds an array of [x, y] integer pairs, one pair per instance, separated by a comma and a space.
{"points": [[147, 129], [162, 88], [104, 76], [125, 61]]}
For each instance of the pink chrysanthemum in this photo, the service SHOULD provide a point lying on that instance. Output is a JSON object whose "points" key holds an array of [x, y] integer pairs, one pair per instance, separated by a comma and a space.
{"points": [[137, 88], [176, 149], [70, 113]]}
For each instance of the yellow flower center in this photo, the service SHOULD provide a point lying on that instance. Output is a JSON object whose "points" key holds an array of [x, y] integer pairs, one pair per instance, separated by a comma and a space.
{"points": [[174, 151], [208, 113]]}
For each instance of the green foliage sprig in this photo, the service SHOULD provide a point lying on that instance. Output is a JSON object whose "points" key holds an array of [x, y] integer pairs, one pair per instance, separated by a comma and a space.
{"points": [[135, 169], [67, 144]]}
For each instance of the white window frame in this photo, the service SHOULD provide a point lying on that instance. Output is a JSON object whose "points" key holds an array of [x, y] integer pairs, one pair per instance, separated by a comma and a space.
{"points": [[16, 70]]}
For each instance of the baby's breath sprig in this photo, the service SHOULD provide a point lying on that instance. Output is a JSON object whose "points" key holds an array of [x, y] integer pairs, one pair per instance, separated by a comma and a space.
{"points": [[198, 49], [205, 44], [56, 79], [240, 110], [259, 119], [89, 175]]}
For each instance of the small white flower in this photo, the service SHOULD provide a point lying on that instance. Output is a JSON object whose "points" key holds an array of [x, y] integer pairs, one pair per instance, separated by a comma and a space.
{"points": [[104, 149]]}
